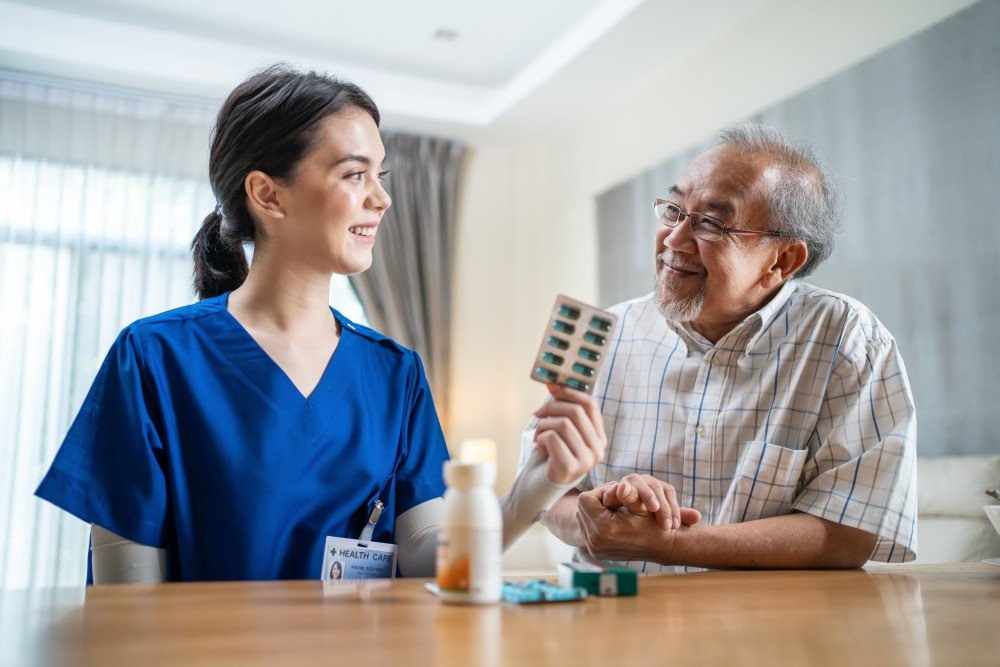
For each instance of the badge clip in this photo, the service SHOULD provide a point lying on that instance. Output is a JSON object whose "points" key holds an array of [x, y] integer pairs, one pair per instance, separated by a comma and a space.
{"points": [[366, 534]]}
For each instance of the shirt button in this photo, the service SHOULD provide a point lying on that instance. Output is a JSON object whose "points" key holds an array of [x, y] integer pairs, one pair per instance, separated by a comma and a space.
{"points": [[701, 431]]}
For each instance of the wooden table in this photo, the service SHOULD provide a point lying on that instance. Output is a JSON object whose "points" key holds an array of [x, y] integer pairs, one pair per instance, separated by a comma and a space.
{"points": [[912, 615]]}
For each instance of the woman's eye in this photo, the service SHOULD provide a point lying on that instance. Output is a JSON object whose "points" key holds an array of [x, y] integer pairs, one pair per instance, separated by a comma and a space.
{"points": [[356, 175], [382, 175]]}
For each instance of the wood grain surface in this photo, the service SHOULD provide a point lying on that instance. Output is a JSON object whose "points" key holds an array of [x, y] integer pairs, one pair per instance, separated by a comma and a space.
{"points": [[892, 615]]}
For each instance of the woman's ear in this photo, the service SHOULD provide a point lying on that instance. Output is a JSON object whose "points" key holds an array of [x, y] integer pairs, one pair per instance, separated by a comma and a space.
{"points": [[263, 196]]}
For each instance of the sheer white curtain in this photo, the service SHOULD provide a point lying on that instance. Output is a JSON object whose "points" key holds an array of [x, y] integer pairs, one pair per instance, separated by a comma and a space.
{"points": [[102, 191]]}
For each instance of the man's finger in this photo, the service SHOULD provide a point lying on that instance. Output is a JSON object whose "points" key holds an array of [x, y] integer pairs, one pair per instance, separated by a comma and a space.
{"points": [[664, 516], [608, 495], [690, 516], [647, 494], [675, 508], [589, 505], [628, 495], [612, 499]]}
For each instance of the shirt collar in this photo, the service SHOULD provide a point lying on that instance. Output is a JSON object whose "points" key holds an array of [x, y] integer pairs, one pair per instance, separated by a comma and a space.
{"points": [[769, 311], [762, 319]]}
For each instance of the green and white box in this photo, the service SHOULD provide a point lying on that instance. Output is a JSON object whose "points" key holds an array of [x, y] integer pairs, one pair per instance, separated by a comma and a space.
{"points": [[599, 579]]}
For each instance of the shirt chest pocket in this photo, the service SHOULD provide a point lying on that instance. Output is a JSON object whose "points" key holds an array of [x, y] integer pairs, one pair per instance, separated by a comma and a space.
{"points": [[765, 482]]}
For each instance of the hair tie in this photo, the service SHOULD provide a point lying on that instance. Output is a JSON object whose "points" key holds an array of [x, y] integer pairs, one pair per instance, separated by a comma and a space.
{"points": [[218, 208]]}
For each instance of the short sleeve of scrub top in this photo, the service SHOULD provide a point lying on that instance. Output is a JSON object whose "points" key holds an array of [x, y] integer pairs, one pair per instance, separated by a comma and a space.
{"points": [[192, 439], [110, 468]]}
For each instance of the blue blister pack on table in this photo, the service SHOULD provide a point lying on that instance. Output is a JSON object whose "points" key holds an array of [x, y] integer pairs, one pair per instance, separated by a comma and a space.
{"points": [[538, 591]]}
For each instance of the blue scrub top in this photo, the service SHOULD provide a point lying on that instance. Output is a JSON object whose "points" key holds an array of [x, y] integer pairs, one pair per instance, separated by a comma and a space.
{"points": [[194, 440]]}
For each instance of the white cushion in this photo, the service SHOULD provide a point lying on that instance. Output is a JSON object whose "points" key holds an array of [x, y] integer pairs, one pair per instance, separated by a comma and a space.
{"points": [[951, 525], [956, 540], [955, 485]]}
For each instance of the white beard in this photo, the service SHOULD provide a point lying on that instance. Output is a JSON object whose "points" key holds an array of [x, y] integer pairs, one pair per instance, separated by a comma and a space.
{"points": [[686, 309]]}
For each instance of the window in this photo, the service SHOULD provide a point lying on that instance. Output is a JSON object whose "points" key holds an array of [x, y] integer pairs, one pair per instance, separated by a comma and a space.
{"points": [[89, 241]]}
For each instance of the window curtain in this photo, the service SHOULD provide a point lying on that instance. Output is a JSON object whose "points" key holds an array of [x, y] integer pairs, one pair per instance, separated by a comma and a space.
{"points": [[102, 192], [407, 292]]}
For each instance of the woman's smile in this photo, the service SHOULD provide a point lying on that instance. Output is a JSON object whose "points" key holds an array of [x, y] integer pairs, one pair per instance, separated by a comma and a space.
{"points": [[364, 233]]}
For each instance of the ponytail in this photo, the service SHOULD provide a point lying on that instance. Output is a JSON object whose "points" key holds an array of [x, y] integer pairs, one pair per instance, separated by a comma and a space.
{"points": [[219, 264]]}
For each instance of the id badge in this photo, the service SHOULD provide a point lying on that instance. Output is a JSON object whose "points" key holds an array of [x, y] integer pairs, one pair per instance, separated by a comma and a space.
{"points": [[344, 558]]}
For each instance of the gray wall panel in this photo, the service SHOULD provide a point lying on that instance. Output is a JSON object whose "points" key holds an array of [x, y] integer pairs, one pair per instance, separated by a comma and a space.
{"points": [[914, 136]]}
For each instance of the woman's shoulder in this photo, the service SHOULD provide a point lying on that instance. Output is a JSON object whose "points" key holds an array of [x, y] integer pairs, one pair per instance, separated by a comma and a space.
{"points": [[171, 322], [377, 343]]}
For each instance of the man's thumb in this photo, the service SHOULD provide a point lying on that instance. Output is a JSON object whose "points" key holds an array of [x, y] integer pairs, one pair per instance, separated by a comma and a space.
{"points": [[690, 516]]}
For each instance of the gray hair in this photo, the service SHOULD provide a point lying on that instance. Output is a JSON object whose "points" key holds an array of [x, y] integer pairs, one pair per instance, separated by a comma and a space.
{"points": [[804, 202]]}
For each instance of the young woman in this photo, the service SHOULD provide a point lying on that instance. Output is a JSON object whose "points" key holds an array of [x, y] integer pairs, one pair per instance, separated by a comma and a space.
{"points": [[229, 438]]}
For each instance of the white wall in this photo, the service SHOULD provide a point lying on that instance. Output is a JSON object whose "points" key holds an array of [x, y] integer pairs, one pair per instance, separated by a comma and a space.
{"points": [[527, 216]]}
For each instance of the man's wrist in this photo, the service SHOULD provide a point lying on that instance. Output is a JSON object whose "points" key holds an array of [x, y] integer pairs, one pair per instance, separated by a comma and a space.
{"points": [[670, 544]]}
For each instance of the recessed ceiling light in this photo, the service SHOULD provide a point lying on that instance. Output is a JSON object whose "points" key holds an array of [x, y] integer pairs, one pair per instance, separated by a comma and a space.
{"points": [[446, 34]]}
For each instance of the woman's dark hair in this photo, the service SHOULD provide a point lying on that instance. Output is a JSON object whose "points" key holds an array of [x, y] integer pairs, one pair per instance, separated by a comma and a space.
{"points": [[267, 123]]}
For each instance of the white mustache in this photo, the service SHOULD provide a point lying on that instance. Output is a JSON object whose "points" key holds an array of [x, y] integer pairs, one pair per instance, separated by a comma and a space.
{"points": [[673, 260]]}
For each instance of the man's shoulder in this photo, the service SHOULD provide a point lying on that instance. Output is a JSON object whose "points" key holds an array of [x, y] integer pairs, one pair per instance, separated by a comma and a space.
{"points": [[639, 307], [822, 307]]}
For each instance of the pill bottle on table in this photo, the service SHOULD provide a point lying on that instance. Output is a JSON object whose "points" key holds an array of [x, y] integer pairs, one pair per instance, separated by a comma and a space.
{"points": [[471, 535]]}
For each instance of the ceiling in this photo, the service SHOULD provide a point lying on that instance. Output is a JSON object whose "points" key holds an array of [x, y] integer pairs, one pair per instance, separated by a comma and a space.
{"points": [[490, 56], [527, 63], [545, 56]]}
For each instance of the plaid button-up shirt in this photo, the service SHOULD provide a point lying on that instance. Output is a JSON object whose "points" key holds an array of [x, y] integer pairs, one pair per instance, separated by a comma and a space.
{"points": [[804, 406]]}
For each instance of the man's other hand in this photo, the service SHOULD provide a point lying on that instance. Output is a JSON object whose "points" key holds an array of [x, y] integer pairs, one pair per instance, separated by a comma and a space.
{"points": [[619, 534], [646, 495]]}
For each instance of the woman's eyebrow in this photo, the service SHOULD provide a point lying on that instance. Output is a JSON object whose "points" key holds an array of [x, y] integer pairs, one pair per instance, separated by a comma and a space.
{"points": [[355, 157]]}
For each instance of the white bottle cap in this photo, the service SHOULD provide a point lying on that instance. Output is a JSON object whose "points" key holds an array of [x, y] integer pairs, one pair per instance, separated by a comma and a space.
{"points": [[459, 475]]}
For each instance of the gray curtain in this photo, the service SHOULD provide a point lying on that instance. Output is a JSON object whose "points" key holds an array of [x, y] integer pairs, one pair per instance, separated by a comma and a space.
{"points": [[407, 292], [914, 133]]}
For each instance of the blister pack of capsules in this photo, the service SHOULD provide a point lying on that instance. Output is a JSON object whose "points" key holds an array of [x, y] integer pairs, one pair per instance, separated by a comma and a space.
{"points": [[539, 591], [574, 345]]}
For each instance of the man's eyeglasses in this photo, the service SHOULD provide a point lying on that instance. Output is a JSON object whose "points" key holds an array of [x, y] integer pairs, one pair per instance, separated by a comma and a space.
{"points": [[704, 227]]}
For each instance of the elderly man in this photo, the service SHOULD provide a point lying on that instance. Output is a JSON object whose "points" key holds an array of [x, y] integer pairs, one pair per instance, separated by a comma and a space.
{"points": [[751, 420]]}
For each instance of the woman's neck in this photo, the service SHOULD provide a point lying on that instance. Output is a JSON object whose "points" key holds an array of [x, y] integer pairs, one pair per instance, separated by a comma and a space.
{"points": [[279, 297]]}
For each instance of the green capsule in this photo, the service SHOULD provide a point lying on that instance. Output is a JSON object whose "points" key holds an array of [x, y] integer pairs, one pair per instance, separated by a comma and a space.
{"points": [[566, 311], [557, 343], [587, 353], [546, 374], [576, 384], [583, 370], [553, 359], [595, 339], [598, 323], [564, 327]]}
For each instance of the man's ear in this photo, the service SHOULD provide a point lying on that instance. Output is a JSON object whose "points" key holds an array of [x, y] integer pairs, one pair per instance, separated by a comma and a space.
{"points": [[791, 256], [263, 195]]}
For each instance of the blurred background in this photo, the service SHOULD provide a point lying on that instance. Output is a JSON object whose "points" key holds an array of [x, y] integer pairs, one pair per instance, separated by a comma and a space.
{"points": [[527, 142]]}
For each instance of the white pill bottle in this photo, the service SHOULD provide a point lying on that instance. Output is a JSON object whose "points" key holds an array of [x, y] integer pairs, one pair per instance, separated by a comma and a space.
{"points": [[471, 536]]}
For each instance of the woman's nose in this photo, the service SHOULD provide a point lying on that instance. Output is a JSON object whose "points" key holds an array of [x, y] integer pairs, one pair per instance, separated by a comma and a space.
{"points": [[379, 199]]}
